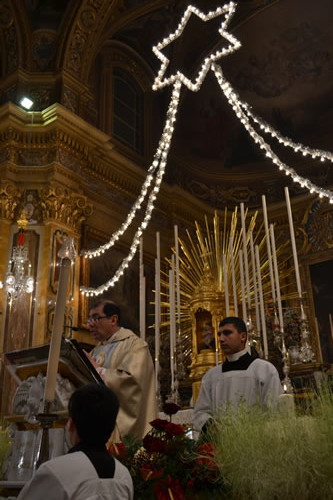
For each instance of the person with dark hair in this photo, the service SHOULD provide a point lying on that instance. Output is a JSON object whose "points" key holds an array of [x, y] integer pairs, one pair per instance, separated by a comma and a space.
{"points": [[87, 471], [241, 378], [124, 362]]}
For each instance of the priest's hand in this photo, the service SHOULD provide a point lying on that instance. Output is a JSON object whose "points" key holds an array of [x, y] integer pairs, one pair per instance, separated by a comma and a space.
{"points": [[91, 359], [100, 370]]}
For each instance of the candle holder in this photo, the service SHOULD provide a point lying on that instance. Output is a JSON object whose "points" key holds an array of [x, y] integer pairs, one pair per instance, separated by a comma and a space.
{"points": [[252, 336], [279, 336], [46, 421], [179, 359], [286, 382], [306, 352]]}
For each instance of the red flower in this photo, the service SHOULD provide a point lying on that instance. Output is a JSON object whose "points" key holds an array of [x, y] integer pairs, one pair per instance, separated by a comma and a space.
{"points": [[169, 488], [207, 452], [170, 408], [172, 429], [148, 473], [158, 424], [118, 449], [153, 444]]}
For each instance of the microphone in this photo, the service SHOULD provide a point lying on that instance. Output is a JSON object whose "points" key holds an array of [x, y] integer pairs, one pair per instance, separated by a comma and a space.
{"points": [[74, 328]]}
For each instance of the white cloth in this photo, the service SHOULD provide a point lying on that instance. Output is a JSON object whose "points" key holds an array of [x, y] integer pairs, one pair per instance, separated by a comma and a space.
{"points": [[73, 477], [260, 383]]}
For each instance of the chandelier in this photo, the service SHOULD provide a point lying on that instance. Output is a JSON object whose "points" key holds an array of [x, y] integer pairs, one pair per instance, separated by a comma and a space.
{"points": [[18, 280]]}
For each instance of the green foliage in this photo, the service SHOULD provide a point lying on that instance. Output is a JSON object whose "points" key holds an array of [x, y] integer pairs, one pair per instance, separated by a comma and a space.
{"points": [[270, 456]]}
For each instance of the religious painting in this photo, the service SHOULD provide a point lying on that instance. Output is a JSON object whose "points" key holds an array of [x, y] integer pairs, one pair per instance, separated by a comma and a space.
{"points": [[322, 291]]}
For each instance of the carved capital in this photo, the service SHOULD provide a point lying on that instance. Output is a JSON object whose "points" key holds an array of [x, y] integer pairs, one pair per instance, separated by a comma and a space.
{"points": [[10, 197], [64, 206]]}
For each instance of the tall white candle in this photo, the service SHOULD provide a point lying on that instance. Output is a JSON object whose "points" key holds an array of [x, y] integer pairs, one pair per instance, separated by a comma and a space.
{"points": [[57, 330], [262, 304], [177, 287], [268, 244], [226, 287], [233, 275], [246, 263], [293, 244], [255, 286], [241, 272], [142, 293], [157, 312], [172, 323], [276, 279]]}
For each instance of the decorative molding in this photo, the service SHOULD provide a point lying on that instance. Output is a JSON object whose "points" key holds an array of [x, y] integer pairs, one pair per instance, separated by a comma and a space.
{"points": [[10, 197], [44, 49], [7, 24], [62, 205], [89, 22], [319, 227]]}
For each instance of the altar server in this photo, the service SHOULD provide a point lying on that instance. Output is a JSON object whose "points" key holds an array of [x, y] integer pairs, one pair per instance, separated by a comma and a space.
{"points": [[88, 471], [241, 378]]}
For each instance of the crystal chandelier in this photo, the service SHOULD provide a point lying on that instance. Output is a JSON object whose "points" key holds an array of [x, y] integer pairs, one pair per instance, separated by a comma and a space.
{"points": [[18, 280]]}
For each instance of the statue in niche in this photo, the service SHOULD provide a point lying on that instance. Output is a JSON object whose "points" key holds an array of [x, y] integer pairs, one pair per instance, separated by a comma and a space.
{"points": [[204, 330]]}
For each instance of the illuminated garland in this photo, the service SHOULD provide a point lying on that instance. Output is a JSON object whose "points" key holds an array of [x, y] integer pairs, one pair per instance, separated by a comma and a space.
{"points": [[157, 168], [153, 181], [234, 44], [245, 115]]}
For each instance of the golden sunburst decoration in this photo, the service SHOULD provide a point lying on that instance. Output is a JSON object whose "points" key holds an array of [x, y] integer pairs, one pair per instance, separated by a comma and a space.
{"points": [[212, 282]]}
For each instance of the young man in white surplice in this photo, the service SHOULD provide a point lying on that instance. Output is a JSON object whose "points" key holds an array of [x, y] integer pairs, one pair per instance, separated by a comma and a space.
{"points": [[241, 378]]}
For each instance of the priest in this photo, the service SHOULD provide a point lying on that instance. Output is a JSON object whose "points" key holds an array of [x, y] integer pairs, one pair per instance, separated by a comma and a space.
{"points": [[124, 362]]}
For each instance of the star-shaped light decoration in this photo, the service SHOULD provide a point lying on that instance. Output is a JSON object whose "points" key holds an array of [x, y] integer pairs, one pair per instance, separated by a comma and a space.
{"points": [[234, 44], [151, 186]]}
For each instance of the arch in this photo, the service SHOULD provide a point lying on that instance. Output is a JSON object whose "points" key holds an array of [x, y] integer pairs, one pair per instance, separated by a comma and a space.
{"points": [[14, 37]]}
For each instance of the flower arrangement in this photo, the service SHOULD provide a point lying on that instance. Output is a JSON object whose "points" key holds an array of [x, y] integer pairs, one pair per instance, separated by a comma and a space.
{"points": [[169, 465]]}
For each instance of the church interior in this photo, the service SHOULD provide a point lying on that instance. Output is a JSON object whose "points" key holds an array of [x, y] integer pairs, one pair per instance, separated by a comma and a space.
{"points": [[75, 163]]}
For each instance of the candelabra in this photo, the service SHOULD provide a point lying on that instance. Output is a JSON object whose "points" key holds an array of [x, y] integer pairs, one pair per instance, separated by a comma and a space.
{"points": [[252, 336], [18, 280], [306, 352]]}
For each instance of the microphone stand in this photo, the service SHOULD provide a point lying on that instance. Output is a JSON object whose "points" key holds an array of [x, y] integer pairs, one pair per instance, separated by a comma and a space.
{"points": [[72, 329]]}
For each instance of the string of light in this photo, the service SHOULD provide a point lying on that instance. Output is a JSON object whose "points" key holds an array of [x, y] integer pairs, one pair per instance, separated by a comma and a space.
{"points": [[296, 146], [157, 168], [234, 44], [161, 158], [243, 115]]}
